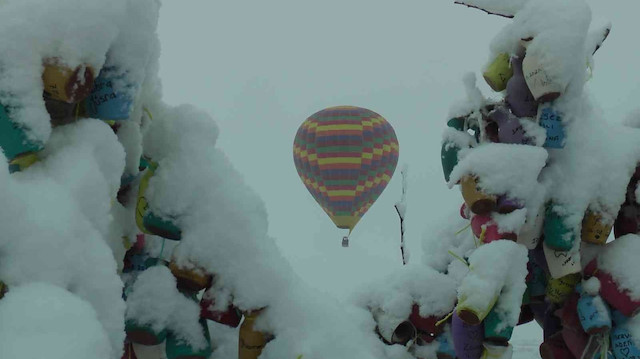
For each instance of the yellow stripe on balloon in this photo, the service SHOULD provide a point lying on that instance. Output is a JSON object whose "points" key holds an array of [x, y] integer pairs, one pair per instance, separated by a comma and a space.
{"points": [[339, 128], [367, 155], [377, 151], [342, 192], [313, 157], [339, 160]]}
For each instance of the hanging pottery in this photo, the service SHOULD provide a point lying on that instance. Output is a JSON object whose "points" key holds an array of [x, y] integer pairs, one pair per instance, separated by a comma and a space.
{"points": [[519, 97], [425, 325], [543, 86], [17, 146], [555, 347], [487, 231], [593, 312], [178, 348], [510, 129], [477, 201], [445, 346], [559, 289], [551, 121], [251, 341], [557, 235], [230, 317], [147, 221], [60, 112], [467, 339], [595, 228], [498, 72], [111, 97], [190, 279], [531, 231], [622, 342], [144, 333], [65, 84], [495, 330], [627, 220]]}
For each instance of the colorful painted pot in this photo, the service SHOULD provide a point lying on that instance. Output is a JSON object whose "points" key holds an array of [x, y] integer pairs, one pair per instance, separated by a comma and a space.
{"points": [[554, 347], [473, 313], [14, 140], [491, 233], [543, 86], [230, 317], [457, 123], [445, 346], [60, 112], [574, 336], [250, 341], [622, 342], [551, 121], [143, 333], [498, 72], [575, 340], [595, 229], [106, 101], [526, 315], [177, 348], [494, 330], [190, 279], [477, 201], [519, 97], [506, 204], [616, 297], [559, 289], [561, 263], [557, 235], [467, 339], [593, 312], [449, 157], [425, 325], [65, 84], [464, 211], [22, 162], [510, 129], [147, 221]]}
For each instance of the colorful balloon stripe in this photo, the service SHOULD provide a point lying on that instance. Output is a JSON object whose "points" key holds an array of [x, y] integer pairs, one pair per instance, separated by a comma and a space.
{"points": [[345, 157]]}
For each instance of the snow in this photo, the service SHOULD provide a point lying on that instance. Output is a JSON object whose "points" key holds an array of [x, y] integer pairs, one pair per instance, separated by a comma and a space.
{"points": [[40, 320], [620, 260]]}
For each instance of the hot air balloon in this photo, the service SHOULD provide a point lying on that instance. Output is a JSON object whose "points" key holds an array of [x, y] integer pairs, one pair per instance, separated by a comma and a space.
{"points": [[345, 156]]}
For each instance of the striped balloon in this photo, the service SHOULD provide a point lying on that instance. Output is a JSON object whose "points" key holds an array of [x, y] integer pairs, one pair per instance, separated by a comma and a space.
{"points": [[345, 157]]}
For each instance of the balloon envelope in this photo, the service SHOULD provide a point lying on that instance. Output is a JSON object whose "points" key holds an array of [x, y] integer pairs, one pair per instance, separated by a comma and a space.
{"points": [[345, 157]]}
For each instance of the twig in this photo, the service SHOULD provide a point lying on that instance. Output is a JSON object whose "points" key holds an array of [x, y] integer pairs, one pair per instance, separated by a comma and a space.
{"points": [[485, 10]]}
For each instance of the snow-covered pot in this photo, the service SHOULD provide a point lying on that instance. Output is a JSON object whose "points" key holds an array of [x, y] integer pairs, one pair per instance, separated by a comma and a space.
{"points": [[519, 97], [449, 157], [190, 279], [555, 347], [457, 123], [505, 204], [65, 84], [425, 325], [178, 348], [561, 263], [250, 341], [509, 128], [149, 222], [492, 351], [467, 339], [593, 312], [627, 221], [107, 101], [621, 339], [477, 201], [543, 86], [551, 121], [17, 147], [230, 317], [60, 112], [445, 346], [491, 232], [494, 329], [559, 289], [498, 72], [143, 333], [595, 228], [615, 296], [557, 235]]}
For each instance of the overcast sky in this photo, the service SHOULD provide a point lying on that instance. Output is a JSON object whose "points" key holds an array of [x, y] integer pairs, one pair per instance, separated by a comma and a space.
{"points": [[262, 67]]}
